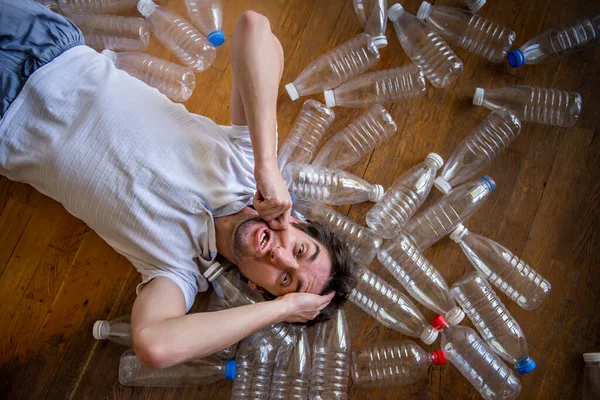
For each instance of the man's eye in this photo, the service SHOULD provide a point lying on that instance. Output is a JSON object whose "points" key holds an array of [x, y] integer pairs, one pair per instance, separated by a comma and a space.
{"points": [[300, 250], [286, 280]]}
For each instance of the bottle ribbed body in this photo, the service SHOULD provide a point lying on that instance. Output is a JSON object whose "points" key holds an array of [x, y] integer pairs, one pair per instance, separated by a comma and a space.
{"points": [[207, 15], [242, 383], [95, 6], [255, 368], [291, 375], [113, 32]]}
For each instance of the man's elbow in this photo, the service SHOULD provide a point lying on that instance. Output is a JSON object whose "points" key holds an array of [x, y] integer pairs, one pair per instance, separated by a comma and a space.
{"points": [[252, 21], [150, 353]]}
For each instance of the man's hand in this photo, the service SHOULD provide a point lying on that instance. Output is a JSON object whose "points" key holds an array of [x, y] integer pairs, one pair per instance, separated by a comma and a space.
{"points": [[272, 199], [303, 307]]}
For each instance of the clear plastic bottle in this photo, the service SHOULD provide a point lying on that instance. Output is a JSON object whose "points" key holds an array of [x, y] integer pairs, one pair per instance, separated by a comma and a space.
{"points": [[179, 36], [330, 359], [291, 374], [113, 32], [358, 139], [591, 376], [117, 330], [372, 15], [364, 244], [477, 150], [256, 370], [202, 371], [95, 6], [311, 123], [328, 186], [244, 374], [464, 29], [507, 272], [335, 67], [533, 104], [440, 219], [207, 15], [403, 198], [419, 277], [473, 5], [51, 5], [554, 43], [477, 362], [493, 321], [215, 303], [390, 307], [392, 363], [386, 86], [425, 48], [172, 80]]}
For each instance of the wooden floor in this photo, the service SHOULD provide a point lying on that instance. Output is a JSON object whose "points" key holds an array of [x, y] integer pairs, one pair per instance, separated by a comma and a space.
{"points": [[57, 277]]}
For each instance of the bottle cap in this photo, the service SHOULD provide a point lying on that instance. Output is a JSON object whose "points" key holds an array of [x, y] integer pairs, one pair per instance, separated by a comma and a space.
{"points": [[213, 271], [329, 98], [216, 38], [525, 365], [478, 96], [111, 55], [380, 41], [435, 158], [424, 11], [516, 58], [291, 89], [376, 193], [490, 182], [230, 370], [98, 331], [455, 316], [429, 335], [442, 185], [146, 7], [439, 322], [591, 357], [458, 233], [439, 357], [395, 11], [477, 5]]}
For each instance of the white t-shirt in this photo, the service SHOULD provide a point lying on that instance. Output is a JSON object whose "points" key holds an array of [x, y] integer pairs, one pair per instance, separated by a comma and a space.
{"points": [[145, 174]]}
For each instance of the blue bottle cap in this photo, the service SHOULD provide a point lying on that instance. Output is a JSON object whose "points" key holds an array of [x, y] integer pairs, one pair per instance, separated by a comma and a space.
{"points": [[216, 38], [230, 370], [525, 365], [516, 58], [490, 182]]}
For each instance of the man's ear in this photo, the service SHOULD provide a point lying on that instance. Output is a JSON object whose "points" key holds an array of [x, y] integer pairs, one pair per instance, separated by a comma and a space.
{"points": [[256, 288]]}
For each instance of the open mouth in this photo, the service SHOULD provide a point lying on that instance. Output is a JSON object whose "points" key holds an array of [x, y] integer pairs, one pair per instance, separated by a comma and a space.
{"points": [[263, 238]]}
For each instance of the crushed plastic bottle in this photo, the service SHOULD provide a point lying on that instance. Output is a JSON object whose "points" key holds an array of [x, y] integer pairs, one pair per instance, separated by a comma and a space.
{"points": [[117, 330], [372, 15], [113, 32], [292, 370], [215, 303], [95, 6], [207, 15]]}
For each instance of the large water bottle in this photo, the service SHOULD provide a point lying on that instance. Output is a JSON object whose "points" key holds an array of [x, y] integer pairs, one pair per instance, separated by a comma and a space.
{"points": [[215, 303], [507, 272], [331, 359], [358, 139], [403, 198], [172, 80], [363, 243], [179, 36], [339, 65], [533, 104], [372, 15], [464, 29], [557, 43], [202, 371], [207, 15], [477, 150], [255, 367], [117, 330], [391, 308], [95, 6], [477, 362], [425, 48], [328, 186], [311, 123], [113, 32], [392, 363], [385, 86], [440, 219], [493, 321], [292, 370], [419, 277]]}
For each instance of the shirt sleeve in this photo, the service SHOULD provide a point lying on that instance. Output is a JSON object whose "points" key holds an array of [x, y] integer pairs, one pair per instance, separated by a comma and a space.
{"points": [[189, 283]]}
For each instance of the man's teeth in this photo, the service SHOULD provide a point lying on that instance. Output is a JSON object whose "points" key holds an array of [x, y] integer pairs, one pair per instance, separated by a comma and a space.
{"points": [[263, 240]]}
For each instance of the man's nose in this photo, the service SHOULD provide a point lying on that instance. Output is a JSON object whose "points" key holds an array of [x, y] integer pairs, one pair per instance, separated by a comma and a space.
{"points": [[283, 259]]}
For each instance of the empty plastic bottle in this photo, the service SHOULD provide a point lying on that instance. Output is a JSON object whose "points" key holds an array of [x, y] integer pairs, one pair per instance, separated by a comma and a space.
{"points": [[291, 374], [331, 359], [477, 362], [403, 198], [425, 48], [557, 43], [477, 150], [419, 277], [362, 242], [52, 5], [207, 15], [372, 15], [533, 104], [591, 376], [473, 5], [392, 309], [95, 6], [202, 371], [493, 321], [172, 80], [117, 330], [507, 272], [440, 219], [311, 123], [257, 364], [113, 32], [179, 36], [339, 65], [216, 303], [358, 139], [464, 29], [328, 186], [392, 363]]}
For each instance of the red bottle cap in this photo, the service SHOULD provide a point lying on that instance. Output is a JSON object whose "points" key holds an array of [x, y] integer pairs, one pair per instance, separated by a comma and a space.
{"points": [[439, 357], [439, 322]]}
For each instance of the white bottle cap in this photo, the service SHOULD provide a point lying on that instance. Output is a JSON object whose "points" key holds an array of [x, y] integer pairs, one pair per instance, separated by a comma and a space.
{"points": [[291, 89], [436, 158], [477, 5], [329, 98], [98, 330], [442, 185], [591, 357], [111, 55], [213, 271], [455, 316], [458, 233], [395, 11], [146, 7], [429, 335], [424, 11], [377, 193], [380, 41], [478, 96]]}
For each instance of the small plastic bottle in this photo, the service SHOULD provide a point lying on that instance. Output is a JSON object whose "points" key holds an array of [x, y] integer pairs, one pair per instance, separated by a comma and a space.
{"points": [[207, 15], [392, 364], [591, 376], [464, 29], [493, 321], [403, 198], [372, 15], [390, 307], [328, 186], [215, 303], [291, 374], [440, 219], [311, 123], [179, 36], [419, 277], [554, 44], [172, 80], [477, 362], [507, 272], [117, 330], [113, 32], [364, 244], [477, 150], [95, 6], [339, 65], [533, 104], [425, 48], [202, 371], [358, 139]]}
